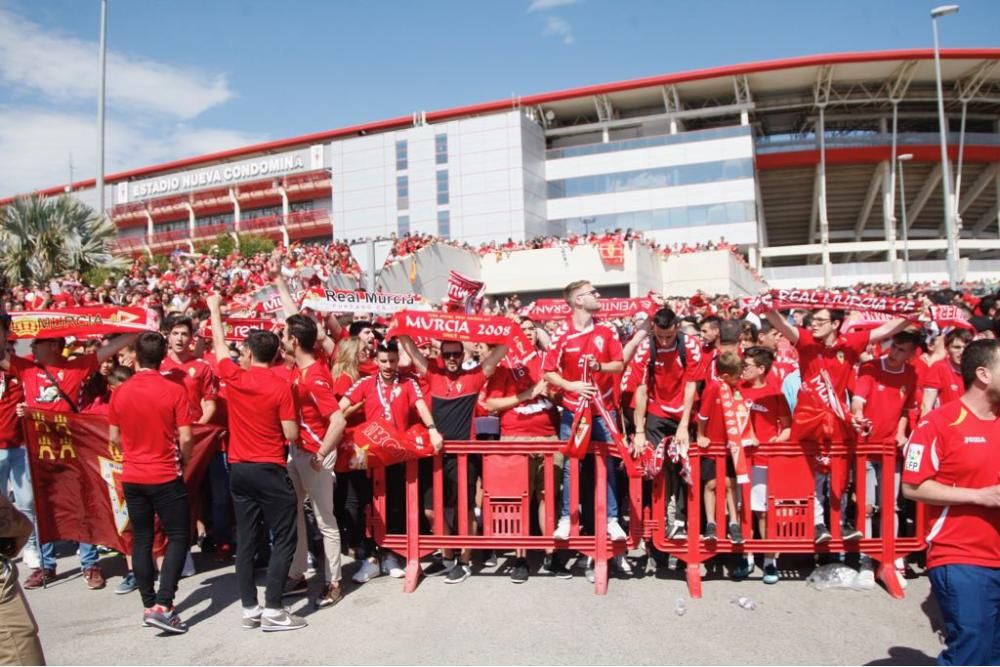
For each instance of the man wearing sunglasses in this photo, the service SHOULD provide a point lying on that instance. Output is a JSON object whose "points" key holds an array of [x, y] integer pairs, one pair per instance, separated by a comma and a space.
{"points": [[453, 393]]}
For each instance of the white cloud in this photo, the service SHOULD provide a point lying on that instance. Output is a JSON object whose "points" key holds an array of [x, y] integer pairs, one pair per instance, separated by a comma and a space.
{"points": [[38, 144], [542, 5], [65, 69], [559, 28]]}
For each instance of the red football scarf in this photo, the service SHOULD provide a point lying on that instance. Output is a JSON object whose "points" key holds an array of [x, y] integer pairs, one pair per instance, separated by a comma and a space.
{"points": [[378, 443], [236, 329], [465, 328], [465, 295], [738, 433], [581, 431], [82, 322], [944, 316], [784, 299], [352, 301], [557, 309]]}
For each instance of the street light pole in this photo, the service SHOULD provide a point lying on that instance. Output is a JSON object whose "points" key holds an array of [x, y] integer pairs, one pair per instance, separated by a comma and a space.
{"points": [[100, 110], [905, 157], [950, 225]]}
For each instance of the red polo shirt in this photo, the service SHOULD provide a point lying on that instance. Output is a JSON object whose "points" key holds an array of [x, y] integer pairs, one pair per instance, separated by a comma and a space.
{"points": [[11, 393], [947, 379], [198, 378], [258, 401], [375, 394], [838, 359], [956, 448], [317, 402], [888, 396], [566, 356], [148, 408]]}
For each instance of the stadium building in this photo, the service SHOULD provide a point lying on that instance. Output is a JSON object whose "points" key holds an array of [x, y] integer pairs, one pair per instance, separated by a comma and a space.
{"points": [[807, 163]]}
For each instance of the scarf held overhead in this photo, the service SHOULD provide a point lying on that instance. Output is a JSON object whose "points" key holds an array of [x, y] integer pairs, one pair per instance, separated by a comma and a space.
{"points": [[784, 299], [82, 322]]}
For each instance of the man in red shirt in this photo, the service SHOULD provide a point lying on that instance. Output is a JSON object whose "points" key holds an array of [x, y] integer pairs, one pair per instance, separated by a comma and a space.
{"points": [[262, 419], [397, 399], [584, 342], [150, 420], [454, 392], [321, 426], [827, 359], [14, 475], [952, 463], [943, 381], [196, 374], [51, 382], [669, 365], [885, 393]]}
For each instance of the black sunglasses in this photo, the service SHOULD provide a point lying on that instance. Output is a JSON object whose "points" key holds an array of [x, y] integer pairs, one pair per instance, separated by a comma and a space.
{"points": [[452, 355]]}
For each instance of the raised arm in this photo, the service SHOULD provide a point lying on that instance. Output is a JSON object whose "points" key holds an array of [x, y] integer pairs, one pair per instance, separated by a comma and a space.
{"points": [[274, 270], [491, 361], [782, 326], [114, 346], [888, 329], [419, 361], [641, 334], [219, 346]]}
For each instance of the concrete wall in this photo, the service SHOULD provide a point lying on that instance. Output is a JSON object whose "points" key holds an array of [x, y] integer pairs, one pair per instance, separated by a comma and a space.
{"points": [[715, 272]]}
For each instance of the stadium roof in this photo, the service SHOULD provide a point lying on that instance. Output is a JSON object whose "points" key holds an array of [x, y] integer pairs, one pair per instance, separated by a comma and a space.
{"points": [[781, 97]]}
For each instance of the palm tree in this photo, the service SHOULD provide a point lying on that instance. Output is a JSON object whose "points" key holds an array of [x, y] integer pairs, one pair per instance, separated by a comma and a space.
{"points": [[43, 238]]}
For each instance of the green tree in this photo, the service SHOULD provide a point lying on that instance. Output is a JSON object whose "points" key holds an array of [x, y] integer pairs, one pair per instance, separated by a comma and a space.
{"points": [[46, 237]]}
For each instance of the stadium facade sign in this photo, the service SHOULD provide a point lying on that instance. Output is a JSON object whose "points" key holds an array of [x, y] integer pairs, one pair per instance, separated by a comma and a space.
{"points": [[221, 175]]}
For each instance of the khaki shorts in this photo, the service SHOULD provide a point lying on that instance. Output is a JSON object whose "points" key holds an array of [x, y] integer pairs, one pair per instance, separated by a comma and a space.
{"points": [[19, 643]]}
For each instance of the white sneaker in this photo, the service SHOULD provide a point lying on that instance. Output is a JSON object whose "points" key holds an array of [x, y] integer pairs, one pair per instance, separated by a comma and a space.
{"points": [[188, 566], [589, 572], [393, 566], [562, 529], [368, 570], [622, 565], [31, 558], [866, 578], [615, 531], [901, 577]]}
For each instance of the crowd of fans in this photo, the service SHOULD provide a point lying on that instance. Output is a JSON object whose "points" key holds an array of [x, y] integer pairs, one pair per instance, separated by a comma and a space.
{"points": [[667, 375]]}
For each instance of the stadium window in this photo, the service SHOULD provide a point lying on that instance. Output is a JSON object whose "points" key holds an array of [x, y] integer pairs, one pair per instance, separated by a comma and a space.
{"points": [[441, 149], [402, 192], [442, 187], [403, 225], [402, 160], [444, 224]]}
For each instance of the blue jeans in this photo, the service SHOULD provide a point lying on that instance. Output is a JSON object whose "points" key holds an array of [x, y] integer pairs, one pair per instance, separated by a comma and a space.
{"points": [[969, 599], [600, 433], [16, 476], [88, 555]]}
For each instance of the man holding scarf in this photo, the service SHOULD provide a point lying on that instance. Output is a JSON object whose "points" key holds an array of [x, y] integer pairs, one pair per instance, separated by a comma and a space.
{"points": [[827, 360], [584, 347]]}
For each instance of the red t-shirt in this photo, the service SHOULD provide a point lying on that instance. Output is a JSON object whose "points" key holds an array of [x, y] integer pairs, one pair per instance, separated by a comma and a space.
{"points": [[341, 385], [317, 402], [769, 415], [148, 408], [198, 378], [565, 356], [400, 396], [839, 360], [534, 418], [666, 388], [258, 401], [954, 447], [888, 396], [40, 392], [11, 393], [710, 411], [454, 399], [947, 379]]}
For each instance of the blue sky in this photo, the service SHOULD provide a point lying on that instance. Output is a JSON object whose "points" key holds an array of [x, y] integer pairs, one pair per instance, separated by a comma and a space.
{"points": [[191, 77]]}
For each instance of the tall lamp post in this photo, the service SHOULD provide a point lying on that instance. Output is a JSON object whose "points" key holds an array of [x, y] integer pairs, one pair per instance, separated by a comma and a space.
{"points": [[950, 224], [905, 157]]}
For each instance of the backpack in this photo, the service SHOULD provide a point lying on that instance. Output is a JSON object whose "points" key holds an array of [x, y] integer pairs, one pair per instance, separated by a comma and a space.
{"points": [[681, 344]]}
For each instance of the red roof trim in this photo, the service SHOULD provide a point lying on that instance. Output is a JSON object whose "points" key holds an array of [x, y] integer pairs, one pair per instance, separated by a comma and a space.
{"points": [[872, 155], [543, 98]]}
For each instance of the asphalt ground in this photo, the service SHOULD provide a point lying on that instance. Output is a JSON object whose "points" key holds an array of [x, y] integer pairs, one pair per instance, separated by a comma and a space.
{"points": [[489, 620]]}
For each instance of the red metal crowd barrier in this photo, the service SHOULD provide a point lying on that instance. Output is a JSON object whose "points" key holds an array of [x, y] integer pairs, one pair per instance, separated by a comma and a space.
{"points": [[507, 503], [790, 508]]}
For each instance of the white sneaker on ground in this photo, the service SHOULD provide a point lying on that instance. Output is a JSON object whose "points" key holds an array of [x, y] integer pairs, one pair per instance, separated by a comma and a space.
{"points": [[393, 566], [615, 531], [562, 529], [622, 565], [866, 577], [368, 570], [31, 558]]}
